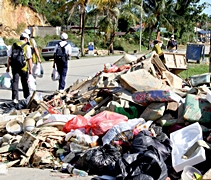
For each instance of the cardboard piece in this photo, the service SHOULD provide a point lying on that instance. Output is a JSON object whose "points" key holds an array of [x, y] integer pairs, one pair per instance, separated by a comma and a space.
{"points": [[27, 144], [172, 106], [153, 111], [140, 80], [175, 62]]}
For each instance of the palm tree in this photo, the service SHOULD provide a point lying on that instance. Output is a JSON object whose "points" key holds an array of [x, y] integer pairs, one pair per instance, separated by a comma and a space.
{"points": [[155, 14], [108, 24], [71, 7]]}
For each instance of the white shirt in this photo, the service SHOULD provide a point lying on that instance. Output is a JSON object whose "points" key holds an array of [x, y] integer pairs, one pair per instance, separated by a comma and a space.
{"points": [[68, 48], [34, 44]]}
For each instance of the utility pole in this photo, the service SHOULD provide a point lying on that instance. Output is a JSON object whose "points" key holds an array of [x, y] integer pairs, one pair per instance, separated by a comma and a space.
{"points": [[210, 53], [141, 24]]}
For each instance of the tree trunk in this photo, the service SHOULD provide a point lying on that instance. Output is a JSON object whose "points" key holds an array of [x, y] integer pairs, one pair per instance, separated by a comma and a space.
{"points": [[96, 18], [150, 37], [83, 31], [111, 47], [81, 22]]}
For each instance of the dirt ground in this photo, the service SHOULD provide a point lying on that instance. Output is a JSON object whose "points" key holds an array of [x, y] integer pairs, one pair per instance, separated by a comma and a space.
{"points": [[23, 173]]}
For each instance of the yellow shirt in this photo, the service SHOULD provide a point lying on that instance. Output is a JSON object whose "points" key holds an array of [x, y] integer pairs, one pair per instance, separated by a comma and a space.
{"points": [[25, 68], [158, 50]]}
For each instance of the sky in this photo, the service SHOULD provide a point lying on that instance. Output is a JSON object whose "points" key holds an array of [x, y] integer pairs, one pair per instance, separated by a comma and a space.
{"points": [[207, 10]]}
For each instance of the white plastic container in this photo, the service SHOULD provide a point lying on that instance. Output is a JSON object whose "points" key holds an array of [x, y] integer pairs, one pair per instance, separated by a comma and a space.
{"points": [[188, 173], [182, 140], [200, 79], [14, 126]]}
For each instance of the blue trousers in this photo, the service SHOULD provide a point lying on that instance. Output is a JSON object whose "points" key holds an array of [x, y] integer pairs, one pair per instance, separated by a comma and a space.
{"points": [[62, 69], [24, 77]]}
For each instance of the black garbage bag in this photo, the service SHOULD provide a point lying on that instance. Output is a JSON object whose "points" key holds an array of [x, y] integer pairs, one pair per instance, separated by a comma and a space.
{"points": [[22, 104], [148, 164], [99, 161], [7, 107], [144, 139]]}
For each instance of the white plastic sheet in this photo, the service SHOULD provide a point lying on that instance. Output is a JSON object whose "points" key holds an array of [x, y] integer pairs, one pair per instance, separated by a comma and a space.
{"points": [[31, 83], [55, 75], [6, 80], [121, 127], [37, 70]]}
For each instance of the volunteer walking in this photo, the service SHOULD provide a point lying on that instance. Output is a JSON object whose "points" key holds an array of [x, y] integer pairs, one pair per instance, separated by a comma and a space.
{"points": [[62, 53], [33, 44], [20, 60]]}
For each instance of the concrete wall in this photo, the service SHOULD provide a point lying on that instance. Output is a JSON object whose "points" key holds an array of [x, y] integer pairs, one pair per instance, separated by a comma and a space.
{"points": [[45, 30]]}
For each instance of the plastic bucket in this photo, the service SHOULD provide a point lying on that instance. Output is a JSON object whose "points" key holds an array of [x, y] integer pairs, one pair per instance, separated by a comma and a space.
{"points": [[188, 173], [28, 124]]}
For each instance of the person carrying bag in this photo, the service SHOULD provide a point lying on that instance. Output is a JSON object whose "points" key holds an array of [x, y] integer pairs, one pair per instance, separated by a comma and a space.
{"points": [[62, 53]]}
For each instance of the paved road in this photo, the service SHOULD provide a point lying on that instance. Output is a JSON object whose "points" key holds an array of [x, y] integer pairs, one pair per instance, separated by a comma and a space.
{"points": [[20, 173], [78, 69]]}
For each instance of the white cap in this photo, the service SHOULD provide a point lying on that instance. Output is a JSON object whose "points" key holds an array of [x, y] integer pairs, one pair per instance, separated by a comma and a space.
{"points": [[64, 36], [172, 36], [25, 35], [27, 31]]}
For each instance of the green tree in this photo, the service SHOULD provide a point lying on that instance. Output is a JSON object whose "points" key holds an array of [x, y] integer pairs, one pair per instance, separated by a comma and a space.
{"points": [[109, 21]]}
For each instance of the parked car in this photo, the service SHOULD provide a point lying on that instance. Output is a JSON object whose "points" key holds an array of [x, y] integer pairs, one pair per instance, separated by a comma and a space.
{"points": [[48, 51], [3, 54]]}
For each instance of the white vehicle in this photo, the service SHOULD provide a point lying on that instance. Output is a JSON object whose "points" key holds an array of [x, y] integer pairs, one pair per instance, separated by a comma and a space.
{"points": [[3, 52], [48, 51]]}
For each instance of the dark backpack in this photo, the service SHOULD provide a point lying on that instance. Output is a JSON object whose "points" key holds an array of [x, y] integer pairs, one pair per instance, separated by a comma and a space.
{"points": [[17, 58], [173, 43], [60, 55]]}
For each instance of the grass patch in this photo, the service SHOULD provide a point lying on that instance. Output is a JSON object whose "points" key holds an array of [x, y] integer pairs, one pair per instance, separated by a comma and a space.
{"points": [[194, 69]]}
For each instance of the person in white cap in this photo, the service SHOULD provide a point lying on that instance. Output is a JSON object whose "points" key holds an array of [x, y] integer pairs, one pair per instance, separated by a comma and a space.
{"points": [[33, 44], [172, 44], [61, 63], [20, 72]]}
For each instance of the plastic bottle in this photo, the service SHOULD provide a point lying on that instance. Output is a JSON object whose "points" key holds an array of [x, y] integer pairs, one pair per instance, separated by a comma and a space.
{"points": [[79, 172], [92, 104], [89, 105], [69, 167]]}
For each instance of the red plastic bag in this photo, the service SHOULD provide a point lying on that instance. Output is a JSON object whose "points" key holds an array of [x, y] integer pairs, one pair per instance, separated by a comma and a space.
{"points": [[110, 68], [102, 122], [123, 67], [77, 122]]}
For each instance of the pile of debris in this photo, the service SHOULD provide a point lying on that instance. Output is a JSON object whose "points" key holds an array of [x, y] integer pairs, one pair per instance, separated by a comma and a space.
{"points": [[135, 119]]}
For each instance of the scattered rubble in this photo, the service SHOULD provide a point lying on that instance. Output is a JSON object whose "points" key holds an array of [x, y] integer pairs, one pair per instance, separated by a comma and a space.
{"points": [[135, 119]]}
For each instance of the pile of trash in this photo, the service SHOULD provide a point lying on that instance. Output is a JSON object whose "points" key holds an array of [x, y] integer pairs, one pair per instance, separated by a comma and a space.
{"points": [[135, 119]]}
